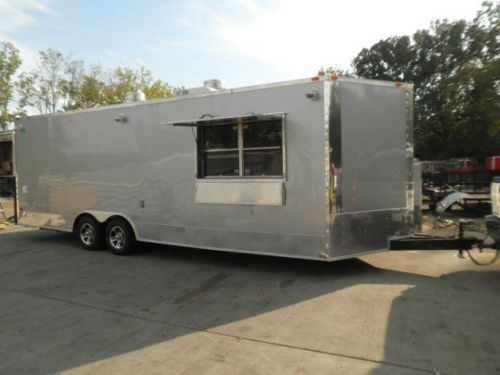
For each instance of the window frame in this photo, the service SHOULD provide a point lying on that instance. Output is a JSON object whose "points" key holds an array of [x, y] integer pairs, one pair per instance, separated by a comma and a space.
{"points": [[241, 176]]}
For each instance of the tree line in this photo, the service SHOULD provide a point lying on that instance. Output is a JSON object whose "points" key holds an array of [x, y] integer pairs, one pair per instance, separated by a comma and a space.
{"points": [[455, 69], [454, 66], [60, 83]]}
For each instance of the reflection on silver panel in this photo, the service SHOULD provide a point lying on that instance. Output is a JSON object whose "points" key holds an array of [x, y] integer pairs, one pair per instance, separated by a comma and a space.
{"points": [[335, 145], [297, 245], [371, 147], [417, 187], [361, 232]]}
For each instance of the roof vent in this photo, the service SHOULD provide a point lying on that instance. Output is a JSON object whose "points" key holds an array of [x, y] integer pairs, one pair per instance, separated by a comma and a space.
{"points": [[210, 85], [213, 84], [136, 96]]}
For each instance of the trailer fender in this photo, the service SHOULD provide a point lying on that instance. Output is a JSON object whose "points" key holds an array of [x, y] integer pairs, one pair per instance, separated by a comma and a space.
{"points": [[103, 216]]}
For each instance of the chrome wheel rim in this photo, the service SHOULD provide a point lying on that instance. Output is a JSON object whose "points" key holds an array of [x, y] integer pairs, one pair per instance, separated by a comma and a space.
{"points": [[87, 234], [117, 237]]}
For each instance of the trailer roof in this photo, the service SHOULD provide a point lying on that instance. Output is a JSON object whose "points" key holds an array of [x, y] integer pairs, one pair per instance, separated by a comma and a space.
{"points": [[237, 90]]}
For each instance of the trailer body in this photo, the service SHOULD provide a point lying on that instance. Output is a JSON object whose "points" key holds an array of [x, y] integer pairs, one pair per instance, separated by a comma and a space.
{"points": [[344, 185]]}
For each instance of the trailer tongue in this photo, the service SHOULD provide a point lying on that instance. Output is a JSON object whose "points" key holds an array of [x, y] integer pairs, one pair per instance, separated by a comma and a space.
{"points": [[428, 242]]}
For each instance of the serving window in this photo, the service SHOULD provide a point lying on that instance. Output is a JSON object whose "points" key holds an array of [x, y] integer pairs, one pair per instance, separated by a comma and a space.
{"points": [[218, 153], [250, 146]]}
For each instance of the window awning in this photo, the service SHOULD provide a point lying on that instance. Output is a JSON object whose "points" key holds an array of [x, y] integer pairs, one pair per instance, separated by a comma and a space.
{"points": [[214, 121]]}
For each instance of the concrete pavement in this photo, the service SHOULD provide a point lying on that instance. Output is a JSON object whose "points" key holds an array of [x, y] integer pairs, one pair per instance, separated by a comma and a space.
{"points": [[181, 310]]}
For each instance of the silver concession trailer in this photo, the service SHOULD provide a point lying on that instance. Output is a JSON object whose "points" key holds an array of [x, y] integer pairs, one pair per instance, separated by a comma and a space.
{"points": [[318, 168]]}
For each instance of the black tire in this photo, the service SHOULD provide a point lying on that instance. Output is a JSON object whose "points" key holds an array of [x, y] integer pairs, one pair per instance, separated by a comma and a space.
{"points": [[119, 237], [90, 233]]}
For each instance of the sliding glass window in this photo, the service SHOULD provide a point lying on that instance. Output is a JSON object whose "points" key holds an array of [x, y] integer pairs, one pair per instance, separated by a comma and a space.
{"points": [[241, 147]]}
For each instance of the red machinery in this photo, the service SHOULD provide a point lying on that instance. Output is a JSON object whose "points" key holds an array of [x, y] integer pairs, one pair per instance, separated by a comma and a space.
{"points": [[492, 163]]}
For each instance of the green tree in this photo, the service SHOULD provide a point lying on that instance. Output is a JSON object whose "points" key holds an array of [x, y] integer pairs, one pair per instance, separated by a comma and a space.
{"points": [[71, 83], [43, 87], [60, 83], [9, 63], [335, 71], [91, 90], [124, 80], [456, 74]]}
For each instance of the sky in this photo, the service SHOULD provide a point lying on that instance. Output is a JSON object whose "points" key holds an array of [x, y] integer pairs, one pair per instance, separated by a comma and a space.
{"points": [[242, 42]]}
